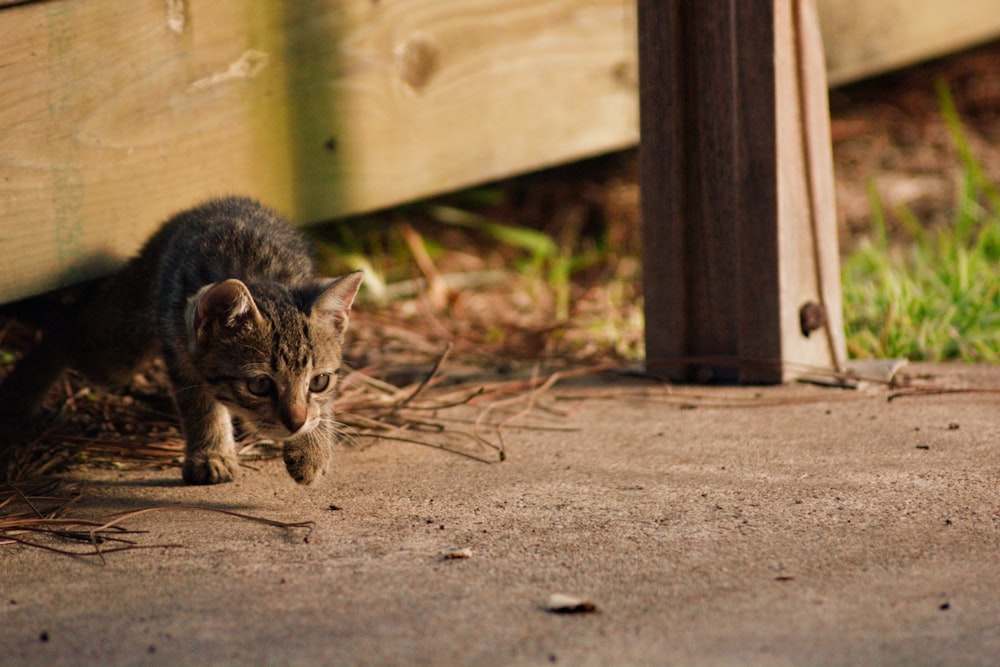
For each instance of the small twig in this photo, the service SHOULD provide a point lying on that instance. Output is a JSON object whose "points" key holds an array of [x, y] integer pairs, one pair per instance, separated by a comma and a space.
{"points": [[27, 501], [672, 396], [67, 552], [361, 376], [496, 390], [444, 448], [935, 391], [427, 378], [465, 400], [98, 531], [527, 427], [309, 525], [133, 447], [438, 291], [78, 536]]}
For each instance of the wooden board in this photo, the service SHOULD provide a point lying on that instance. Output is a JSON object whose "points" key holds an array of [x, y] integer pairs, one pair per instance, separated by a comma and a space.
{"points": [[113, 115], [865, 37]]}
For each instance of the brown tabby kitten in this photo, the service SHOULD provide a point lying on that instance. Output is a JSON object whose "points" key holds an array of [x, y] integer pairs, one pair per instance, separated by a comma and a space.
{"points": [[226, 292]]}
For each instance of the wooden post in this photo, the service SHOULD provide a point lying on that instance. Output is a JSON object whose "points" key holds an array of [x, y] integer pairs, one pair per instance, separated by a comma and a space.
{"points": [[740, 244]]}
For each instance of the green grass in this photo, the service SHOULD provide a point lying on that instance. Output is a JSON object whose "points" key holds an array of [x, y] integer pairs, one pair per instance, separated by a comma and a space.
{"points": [[936, 296]]}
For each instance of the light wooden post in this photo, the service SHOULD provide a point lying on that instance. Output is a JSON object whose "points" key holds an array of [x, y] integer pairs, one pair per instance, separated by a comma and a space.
{"points": [[740, 244]]}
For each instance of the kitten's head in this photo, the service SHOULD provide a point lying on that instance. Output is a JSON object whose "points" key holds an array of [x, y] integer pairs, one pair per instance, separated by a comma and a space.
{"points": [[272, 354]]}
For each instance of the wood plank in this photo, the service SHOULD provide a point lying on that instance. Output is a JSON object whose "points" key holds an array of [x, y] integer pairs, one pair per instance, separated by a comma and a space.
{"points": [[865, 37], [114, 115], [739, 232]]}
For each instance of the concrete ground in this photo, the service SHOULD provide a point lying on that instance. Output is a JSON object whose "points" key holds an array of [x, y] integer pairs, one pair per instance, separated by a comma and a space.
{"points": [[833, 529]]}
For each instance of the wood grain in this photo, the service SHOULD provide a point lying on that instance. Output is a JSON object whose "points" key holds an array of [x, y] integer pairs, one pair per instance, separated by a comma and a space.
{"points": [[865, 37], [115, 115]]}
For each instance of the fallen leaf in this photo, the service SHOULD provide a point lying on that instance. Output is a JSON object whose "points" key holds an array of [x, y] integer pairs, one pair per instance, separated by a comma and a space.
{"points": [[567, 604], [458, 554]]}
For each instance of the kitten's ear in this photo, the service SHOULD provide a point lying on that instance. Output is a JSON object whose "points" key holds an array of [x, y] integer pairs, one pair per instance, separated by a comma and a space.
{"points": [[226, 307], [337, 297]]}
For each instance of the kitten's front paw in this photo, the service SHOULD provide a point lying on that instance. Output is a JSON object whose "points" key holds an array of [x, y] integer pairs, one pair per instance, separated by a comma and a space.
{"points": [[210, 468], [305, 465]]}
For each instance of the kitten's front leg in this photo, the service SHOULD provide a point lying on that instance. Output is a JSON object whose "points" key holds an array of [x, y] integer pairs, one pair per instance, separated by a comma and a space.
{"points": [[210, 452], [307, 457]]}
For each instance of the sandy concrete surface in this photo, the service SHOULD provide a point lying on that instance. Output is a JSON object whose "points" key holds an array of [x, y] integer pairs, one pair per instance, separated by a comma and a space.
{"points": [[820, 527]]}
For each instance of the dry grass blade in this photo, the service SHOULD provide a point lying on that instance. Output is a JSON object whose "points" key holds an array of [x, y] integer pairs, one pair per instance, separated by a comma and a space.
{"points": [[433, 410], [538, 386], [39, 511], [412, 416], [688, 399], [428, 378], [454, 447], [916, 392], [116, 519], [402, 419]]}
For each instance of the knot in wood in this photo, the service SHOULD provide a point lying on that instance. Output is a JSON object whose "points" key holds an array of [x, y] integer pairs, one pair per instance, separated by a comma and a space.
{"points": [[417, 61], [625, 74], [812, 316]]}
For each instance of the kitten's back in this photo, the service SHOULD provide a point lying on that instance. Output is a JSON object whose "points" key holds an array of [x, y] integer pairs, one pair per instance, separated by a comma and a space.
{"points": [[235, 237], [232, 237]]}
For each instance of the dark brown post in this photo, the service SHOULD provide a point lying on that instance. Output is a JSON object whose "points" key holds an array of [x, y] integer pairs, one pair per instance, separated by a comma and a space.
{"points": [[737, 187]]}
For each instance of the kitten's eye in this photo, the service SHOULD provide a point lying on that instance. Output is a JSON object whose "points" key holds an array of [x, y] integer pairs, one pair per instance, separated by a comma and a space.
{"points": [[319, 383], [260, 386]]}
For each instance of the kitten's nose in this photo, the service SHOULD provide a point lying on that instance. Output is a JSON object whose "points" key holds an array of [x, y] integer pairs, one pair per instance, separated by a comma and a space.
{"points": [[294, 418]]}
